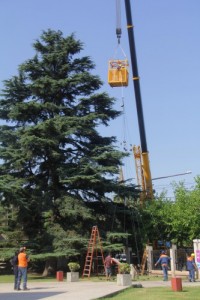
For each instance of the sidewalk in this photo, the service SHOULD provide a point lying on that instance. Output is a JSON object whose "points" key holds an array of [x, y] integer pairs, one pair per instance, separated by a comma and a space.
{"points": [[82, 290]]}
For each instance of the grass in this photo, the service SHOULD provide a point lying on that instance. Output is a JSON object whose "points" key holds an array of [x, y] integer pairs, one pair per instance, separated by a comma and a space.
{"points": [[38, 277], [156, 294], [31, 277]]}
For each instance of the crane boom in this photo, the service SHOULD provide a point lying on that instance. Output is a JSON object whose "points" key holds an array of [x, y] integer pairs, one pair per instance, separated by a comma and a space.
{"points": [[136, 82]]}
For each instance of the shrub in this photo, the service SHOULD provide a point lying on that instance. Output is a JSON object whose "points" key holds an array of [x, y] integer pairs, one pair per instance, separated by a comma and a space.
{"points": [[124, 268], [73, 266]]}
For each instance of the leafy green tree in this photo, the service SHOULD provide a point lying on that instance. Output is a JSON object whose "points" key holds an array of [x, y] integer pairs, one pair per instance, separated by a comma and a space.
{"points": [[185, 214], [176, 221], [54, 160]]}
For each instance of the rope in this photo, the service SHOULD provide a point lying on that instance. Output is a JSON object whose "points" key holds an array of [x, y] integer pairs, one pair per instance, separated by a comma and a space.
{"points": [[113, 219], [125, 132], [136, 243], [121, 49]]}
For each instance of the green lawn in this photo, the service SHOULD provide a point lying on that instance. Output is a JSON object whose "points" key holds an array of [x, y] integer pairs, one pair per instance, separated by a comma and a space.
{"points": [[190, 293], [37, 277], [31, 277]]}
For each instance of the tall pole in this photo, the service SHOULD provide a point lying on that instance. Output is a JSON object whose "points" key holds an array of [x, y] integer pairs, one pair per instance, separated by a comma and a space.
{"points": [[138, 99], [136, 79]]}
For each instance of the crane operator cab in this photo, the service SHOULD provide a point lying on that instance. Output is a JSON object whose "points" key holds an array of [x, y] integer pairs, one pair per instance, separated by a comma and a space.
{"points": [[118, 73]]}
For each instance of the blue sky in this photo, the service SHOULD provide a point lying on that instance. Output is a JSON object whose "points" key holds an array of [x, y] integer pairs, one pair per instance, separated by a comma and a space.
{"points": [[167, 45]]}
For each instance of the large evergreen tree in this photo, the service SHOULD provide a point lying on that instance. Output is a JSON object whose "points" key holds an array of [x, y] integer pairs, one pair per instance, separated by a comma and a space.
{"points": [[54, 160]]}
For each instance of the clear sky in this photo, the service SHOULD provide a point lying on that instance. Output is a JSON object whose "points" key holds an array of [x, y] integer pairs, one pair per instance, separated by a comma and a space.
{"points": [[168, 54]]}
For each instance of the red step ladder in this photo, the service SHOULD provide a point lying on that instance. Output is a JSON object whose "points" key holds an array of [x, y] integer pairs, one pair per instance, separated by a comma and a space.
{"points": [[94, 254]]}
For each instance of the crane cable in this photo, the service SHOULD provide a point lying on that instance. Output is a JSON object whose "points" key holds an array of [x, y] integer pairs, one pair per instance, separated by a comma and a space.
{"points": [[119, 33], [118, 20]]}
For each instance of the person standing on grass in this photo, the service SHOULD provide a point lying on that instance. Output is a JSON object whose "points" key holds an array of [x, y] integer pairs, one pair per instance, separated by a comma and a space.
{"points": [[164, 261], [108, 265], [23, 260], [191, 267]]}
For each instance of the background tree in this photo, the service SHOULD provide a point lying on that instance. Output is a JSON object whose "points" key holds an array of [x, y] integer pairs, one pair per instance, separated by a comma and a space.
{"points": [[185, 214], [55, 163], [176, 221]]}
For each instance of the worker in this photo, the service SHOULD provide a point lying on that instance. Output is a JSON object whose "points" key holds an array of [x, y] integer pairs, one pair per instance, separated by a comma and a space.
{"points": [[191, 267], [23, 260], [108, 265], [164, 261]]}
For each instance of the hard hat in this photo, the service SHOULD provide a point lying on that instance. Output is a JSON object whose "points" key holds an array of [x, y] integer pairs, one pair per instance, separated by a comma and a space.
{"points": [[192, 254]]}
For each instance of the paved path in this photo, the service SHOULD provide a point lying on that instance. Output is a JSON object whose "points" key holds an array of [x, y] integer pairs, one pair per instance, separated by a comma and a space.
{"points": [[82, 290]]}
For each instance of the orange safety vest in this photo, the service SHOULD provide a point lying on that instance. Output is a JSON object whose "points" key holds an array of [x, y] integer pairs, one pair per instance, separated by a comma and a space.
{"points": [[22, 260]]}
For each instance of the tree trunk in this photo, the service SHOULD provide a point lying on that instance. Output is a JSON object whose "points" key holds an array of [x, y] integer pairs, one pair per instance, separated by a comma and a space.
{"points": [[50, 267]]}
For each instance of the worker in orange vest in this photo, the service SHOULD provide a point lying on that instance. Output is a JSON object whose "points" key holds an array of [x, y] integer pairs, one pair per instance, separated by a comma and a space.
{"points": [[23, 260]]}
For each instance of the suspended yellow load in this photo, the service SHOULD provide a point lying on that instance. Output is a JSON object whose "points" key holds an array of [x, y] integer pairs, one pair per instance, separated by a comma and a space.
{"points": [[118, 73]]}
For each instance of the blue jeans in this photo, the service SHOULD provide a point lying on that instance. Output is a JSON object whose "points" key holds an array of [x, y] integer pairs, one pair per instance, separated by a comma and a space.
{"points": [[192, 275], [15, 271], [108, 271], [165, 272], [22, 275]]}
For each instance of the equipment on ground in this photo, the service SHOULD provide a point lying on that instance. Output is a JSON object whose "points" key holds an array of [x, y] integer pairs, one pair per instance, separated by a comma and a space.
{"points": [[94, 262]]}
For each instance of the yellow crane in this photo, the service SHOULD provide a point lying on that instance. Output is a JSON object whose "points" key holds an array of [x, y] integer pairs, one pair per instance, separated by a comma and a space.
{"points": [[141, 153], [118, 76]]}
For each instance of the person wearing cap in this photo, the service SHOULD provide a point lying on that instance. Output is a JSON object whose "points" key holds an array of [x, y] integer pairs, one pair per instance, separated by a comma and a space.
{"points": [[191, 266], [164, 260], [23, 260]]}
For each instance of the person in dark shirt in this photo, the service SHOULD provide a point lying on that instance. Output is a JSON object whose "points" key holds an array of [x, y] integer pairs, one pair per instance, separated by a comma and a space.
{"points": [[14, 263], [191, 266], [164, 261]]}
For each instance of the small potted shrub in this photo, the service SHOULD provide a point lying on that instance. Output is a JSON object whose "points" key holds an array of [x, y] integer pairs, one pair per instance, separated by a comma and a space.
{"points": [[73, 266], [124, 268], [73, 275], [124, 276]]}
